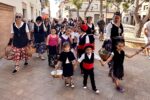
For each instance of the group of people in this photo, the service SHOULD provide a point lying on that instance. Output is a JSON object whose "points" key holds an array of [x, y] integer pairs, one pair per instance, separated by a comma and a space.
{"points": [[68, 44]]}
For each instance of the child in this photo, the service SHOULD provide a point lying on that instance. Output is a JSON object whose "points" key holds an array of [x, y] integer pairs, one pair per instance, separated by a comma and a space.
{"points": [[83, 39], [67, 59], [62, 31], [52, 43], [118, 59], [66, 37], [88, 66]]}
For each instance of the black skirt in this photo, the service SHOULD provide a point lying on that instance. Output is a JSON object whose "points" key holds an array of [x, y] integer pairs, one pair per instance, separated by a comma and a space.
{"points": [[67, 70], [118, 72]]}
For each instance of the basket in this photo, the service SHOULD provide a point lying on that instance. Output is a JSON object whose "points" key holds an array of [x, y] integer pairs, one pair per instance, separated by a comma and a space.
{"points": [[9, 54], [57, 73], [104, 54], [30, 50]]}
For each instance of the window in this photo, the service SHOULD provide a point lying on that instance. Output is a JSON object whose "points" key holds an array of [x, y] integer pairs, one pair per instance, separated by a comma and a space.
{"points": [[145, 7]]}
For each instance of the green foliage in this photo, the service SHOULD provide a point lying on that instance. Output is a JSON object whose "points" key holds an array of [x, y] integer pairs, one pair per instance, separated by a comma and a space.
{"points": [[77, 3], [46, 3], [125, 6], [118, 1]]}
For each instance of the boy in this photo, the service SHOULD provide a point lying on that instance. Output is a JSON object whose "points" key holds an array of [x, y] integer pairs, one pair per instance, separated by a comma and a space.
{"points": [[87, 59]]}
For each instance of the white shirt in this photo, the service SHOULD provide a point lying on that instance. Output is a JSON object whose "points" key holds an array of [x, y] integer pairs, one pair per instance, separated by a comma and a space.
{"points": [[97, 57], [108, 30], [72, 35], [65, 36], [77, 35], [12, 30], [147, 26], [40, 25], [61, 33], [90, 25]]}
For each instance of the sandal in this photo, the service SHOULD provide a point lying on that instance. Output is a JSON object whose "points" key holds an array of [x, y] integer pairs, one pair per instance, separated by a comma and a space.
{"points": [[16, 69], [72, 85], [43, 58]]}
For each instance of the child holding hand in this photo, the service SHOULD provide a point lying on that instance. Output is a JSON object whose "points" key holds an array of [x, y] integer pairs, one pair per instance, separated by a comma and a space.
{"points": [[67, 60], [118, 57], [87, 59]]}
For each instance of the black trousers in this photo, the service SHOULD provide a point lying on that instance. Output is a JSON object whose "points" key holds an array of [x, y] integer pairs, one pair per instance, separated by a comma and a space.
{"points": [[80, 52], [91, 74], [52, 55]]}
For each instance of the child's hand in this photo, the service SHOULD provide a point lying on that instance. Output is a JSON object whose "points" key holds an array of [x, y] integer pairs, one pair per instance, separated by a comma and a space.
{"points": [[56, 67], [104, 63]]}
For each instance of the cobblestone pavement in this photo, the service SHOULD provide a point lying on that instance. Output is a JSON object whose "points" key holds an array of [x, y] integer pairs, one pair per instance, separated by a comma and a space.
{"points": [[35, 83]]}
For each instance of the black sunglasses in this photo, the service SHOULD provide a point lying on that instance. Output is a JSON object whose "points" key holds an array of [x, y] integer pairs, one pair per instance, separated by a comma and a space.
{"points": [[18, 16]]}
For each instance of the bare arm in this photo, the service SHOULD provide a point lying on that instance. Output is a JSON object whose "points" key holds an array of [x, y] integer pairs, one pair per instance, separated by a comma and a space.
{"points": [[57, 66], [47, 40], [109, 59]]}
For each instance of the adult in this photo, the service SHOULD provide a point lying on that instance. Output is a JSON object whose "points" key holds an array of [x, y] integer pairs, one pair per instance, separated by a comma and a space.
{"points": [[20, 38], [147, 36], [101, 25], [40, 37], [56, 25], [114, 31], [91, 29], [48, 26], [30, 25]]}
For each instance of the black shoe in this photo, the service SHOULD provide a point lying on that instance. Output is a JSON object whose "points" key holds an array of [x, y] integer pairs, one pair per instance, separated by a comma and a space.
{"points": [[25, 63], [14, 71], [120, 89]]}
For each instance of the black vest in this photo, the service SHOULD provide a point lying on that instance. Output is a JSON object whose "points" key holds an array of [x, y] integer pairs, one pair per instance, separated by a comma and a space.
{"points": [[20, 38], [87, 60], [82, 40], [39, 34], [115, 31], [90, 29]]}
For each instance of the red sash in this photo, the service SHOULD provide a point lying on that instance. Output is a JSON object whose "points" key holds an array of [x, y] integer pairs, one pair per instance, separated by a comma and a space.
{"points": [[88, 66]]}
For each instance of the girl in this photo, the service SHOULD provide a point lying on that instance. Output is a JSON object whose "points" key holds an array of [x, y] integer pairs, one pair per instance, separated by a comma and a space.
{"points": [[66, 37], [75, 37], [52, 44], [91, 29], [67, 59], [117, 57], [87, 59], [40, 37]]}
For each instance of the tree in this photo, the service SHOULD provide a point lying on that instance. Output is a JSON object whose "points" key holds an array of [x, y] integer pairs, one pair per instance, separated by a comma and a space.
{"points": [[88, 6], [101, 8], [46, 3], [78, 4], [138, 21], [137, 4]]}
